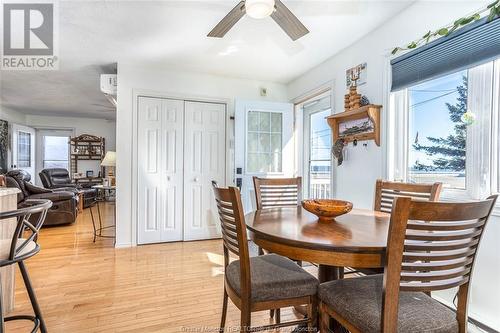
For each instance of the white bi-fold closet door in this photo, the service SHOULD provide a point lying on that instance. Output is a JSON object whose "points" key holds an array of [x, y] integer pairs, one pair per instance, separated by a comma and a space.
{"points": [[181, 149]]}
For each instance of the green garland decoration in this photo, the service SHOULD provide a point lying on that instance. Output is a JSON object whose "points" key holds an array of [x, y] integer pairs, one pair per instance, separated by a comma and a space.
{"points": [[493, 9]]}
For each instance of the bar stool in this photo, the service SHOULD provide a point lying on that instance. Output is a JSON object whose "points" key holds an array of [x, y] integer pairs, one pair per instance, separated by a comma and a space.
{"points": [[29, 221]]}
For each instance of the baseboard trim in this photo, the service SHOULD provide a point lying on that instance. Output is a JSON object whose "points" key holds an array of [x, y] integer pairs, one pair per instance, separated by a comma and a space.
{"points": [[482, 326], [122, 245]]}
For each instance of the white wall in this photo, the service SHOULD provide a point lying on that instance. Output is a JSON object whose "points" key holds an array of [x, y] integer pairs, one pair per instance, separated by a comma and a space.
{"points": [[170, 83], [94, 126], [356, 177], [12, 116]]}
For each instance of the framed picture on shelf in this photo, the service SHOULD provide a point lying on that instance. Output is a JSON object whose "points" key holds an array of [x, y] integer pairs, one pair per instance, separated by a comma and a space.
{"points": [[357, 126], [90, 173]]}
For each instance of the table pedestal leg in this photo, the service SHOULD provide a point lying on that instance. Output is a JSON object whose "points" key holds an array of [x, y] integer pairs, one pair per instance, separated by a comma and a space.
{"points": [[329, 273]]}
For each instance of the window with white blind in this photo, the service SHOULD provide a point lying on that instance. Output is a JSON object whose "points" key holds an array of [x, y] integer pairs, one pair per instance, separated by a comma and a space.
{"points": [[447, 130]]}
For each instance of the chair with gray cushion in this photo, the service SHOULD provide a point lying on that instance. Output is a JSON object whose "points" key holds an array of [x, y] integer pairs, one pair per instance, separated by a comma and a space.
{"points": [[386, 192], [259, 283], [431, 246]]}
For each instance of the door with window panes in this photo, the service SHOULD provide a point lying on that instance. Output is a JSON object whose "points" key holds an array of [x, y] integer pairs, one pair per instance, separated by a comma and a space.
{"points": [[264, 145], [23, 148]]}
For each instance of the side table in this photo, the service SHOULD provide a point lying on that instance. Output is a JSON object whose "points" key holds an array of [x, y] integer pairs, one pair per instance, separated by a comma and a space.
{"points": [[101, 197]]}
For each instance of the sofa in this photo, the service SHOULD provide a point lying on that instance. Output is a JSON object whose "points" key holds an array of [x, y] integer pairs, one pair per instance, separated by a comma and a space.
{"points": [[59, 179], [64, 203]]}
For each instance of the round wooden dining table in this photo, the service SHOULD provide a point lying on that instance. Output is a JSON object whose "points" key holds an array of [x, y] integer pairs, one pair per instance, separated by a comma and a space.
{"points": [[357, 239]]}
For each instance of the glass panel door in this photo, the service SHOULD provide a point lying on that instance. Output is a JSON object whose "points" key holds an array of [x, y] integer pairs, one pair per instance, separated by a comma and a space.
{"points": [[317, 147], [23, 148], [320, 162]]}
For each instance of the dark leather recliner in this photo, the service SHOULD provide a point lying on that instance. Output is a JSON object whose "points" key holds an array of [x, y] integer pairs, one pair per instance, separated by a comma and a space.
{"points": [[64, 203], [58, 178]]}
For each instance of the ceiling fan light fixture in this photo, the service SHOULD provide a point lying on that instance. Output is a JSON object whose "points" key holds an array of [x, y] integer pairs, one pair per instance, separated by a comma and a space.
{"points": [[259, 9]]}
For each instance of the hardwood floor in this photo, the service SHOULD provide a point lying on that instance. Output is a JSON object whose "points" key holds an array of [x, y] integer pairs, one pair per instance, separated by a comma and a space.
{"points": [[93, 287]]}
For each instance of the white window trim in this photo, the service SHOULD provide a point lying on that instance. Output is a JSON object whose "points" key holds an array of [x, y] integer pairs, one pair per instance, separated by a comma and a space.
{"points": [[397, 147]]}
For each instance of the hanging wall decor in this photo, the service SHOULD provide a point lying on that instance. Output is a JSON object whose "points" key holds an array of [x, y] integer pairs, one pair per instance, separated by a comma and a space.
{"points": [[4, 145], [356, 76]]}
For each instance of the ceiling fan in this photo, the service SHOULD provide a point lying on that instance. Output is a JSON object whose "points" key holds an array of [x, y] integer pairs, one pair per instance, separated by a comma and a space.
{"points": [[260, 9]]}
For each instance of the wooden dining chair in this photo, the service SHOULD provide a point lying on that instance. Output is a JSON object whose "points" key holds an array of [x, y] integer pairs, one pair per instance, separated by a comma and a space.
{"points": [[431, 246], [387, 191], [259, 283], [277, 192]]}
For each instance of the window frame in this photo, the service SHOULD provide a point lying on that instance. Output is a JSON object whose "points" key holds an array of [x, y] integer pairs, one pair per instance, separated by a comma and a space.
{"points": [[398, 147]]}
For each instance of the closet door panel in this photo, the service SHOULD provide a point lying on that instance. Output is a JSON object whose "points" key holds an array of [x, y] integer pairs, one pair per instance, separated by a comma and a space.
{"points": [[172, 165], [204, 160], [160, 170], [149, 134]]}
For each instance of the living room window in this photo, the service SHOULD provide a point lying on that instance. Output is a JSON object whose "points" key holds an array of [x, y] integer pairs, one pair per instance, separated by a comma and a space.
{"points": [[53, 145], [55, 152], [447, 130]]}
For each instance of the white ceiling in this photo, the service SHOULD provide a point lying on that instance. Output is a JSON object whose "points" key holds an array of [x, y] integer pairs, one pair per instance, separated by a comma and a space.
{"points": [[95, 35]]}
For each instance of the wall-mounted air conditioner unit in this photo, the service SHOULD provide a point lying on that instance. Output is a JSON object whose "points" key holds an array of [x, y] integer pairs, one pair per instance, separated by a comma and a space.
{"points": [[109, 83]]}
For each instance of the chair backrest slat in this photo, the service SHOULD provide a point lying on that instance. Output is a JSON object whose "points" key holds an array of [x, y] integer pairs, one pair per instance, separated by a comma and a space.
{"points": [[277, 192], [431, 246], [386, 192]]}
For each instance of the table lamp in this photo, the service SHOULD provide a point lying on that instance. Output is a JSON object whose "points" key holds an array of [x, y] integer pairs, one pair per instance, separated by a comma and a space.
{"points": [[109, 162]]}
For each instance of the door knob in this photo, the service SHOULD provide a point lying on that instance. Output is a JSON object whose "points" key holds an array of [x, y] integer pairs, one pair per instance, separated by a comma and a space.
{"points": [[196, 179], [168, 178]]}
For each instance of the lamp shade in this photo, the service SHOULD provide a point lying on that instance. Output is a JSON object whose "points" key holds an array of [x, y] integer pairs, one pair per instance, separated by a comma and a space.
{"points": [[109, 160]]}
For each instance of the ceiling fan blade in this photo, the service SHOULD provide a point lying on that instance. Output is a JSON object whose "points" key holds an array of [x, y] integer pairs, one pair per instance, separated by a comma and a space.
{"points": [[288, 22], [228, 21]]}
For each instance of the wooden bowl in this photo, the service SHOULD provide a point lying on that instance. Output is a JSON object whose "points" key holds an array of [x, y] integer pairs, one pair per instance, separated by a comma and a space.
{"points": [[327, 209]]}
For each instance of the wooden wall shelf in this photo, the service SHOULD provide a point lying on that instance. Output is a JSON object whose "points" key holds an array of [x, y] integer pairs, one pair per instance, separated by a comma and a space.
{"points": [[371, 112]]}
